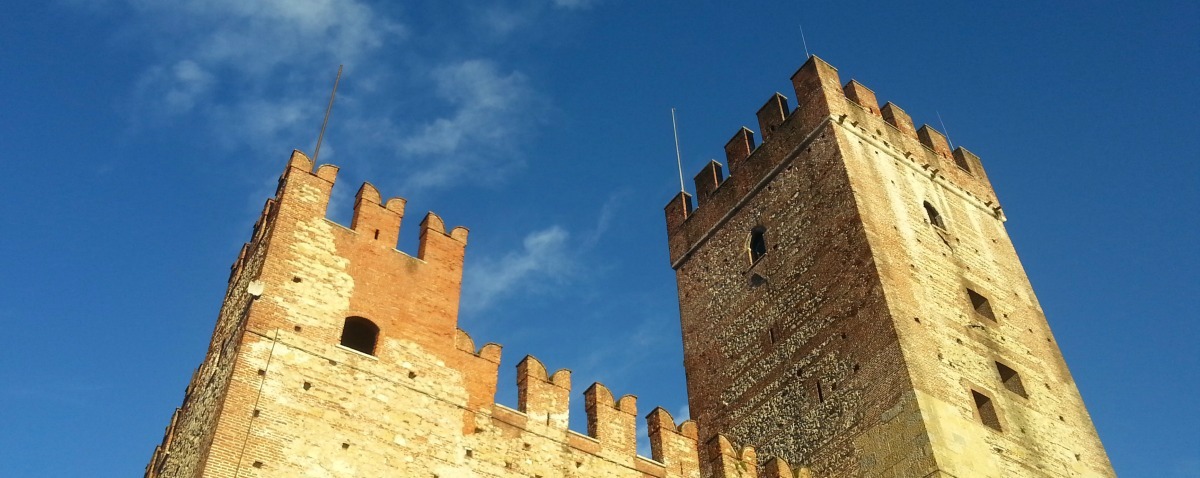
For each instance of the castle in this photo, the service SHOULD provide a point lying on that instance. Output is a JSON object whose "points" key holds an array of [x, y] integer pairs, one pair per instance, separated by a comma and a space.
{"points": [[850, 301]]}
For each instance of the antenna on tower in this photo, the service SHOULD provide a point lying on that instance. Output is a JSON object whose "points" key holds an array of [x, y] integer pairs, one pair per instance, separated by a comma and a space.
{"points": [[329, 108], [804, 42], [678, 157], [944, 130]]}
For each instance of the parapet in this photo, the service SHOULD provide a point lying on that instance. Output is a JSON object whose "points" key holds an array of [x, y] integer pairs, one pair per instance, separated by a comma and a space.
{"points": [[307, 192], [543, 409], [728, 460], [789, 134]]}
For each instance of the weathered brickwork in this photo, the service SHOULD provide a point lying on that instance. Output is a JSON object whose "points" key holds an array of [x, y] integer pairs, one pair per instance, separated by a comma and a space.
{"points": [[850, 302], [280, 395], [852, 345]]}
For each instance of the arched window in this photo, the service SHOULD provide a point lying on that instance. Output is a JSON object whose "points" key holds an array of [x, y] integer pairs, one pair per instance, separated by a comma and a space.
{"points": [[934, 217], [757, 243], [360, 334]]}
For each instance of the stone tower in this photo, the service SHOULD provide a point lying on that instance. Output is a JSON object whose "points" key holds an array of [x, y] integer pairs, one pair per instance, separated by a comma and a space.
{"points": [[851, 302]]}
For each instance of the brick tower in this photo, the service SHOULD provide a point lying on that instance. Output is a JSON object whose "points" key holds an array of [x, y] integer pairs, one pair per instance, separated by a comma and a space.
{"points": [[335, 354], [851, 302]]}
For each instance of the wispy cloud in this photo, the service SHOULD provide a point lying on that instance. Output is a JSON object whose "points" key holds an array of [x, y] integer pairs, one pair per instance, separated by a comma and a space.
{"points": [[256, 75], [542, 259], [250, 70], [491, 112], [547, 258]]}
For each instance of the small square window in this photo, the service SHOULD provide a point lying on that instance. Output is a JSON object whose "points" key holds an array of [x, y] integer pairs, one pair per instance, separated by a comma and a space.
{"points": [[986, 409], [1011, 379], [981, 305]]}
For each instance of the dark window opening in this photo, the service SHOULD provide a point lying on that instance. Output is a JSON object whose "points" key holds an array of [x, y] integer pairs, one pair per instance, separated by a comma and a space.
{"points": [[981, 305], [758, 244], [934, 217], [1011, 379], [987, 410], [360, 334]]}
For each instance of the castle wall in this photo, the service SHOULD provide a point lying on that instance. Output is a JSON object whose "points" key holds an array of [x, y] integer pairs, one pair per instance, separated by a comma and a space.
{"points": [[189, 436], [951, 349], [289, 400]]}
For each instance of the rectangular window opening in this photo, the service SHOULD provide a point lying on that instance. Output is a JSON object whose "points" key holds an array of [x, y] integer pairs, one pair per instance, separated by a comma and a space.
{"points": [[1011, 379], [986, 409], [981, 305]]}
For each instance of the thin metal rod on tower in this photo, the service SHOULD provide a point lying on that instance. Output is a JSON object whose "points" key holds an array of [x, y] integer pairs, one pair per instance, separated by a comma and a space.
{"points": [[329, 108], [678, 157], [805, 42], [944, 130]]}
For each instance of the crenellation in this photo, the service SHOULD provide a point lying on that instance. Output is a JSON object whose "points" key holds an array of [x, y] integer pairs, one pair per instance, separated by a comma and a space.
{"points": [[708, 180], [739, 148], [776, 467], [862, 95], [817, 90], [438, 245], [612, 422], [545, 399], [730, 460], [327, 172], [673, 446], [934, 140], [374, 221], [900, 120], [678, 211], [772, 114]]}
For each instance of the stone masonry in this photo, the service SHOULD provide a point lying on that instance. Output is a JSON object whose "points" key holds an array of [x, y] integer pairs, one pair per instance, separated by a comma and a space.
{"points": [[850, 302]]}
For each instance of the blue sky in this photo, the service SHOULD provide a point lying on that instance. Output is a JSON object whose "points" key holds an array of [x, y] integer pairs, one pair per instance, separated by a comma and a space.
{"points": [[139, 138]]}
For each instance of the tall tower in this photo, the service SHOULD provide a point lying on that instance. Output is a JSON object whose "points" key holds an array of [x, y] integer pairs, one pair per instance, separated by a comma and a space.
{"points": [[851, 302]]}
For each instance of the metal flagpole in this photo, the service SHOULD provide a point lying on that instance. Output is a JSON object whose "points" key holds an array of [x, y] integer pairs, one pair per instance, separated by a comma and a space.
{"points": [[678, 157], [329, 108]]}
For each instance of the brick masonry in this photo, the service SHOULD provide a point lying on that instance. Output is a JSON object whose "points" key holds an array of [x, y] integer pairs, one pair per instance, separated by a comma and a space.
{"points": [[848, 347]]}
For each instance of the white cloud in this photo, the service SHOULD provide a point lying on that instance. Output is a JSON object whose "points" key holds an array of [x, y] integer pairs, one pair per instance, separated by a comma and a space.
{"points": [[256, 72], [256, 37], [491, 111], [257, 75], [542, 260]]}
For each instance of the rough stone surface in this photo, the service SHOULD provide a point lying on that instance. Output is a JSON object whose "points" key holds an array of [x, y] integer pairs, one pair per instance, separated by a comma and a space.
{"points": [[852, 346]]}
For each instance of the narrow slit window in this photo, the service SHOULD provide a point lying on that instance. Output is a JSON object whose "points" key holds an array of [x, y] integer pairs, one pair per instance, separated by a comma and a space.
{"points": [[1011, 379], [934, 217], [757, 244], [986, 409], [360, 334], [981, 305]]}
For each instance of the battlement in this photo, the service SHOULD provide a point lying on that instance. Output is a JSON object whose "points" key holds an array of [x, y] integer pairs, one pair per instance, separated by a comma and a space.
{"points": [[374, 220], [790, 137]]}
